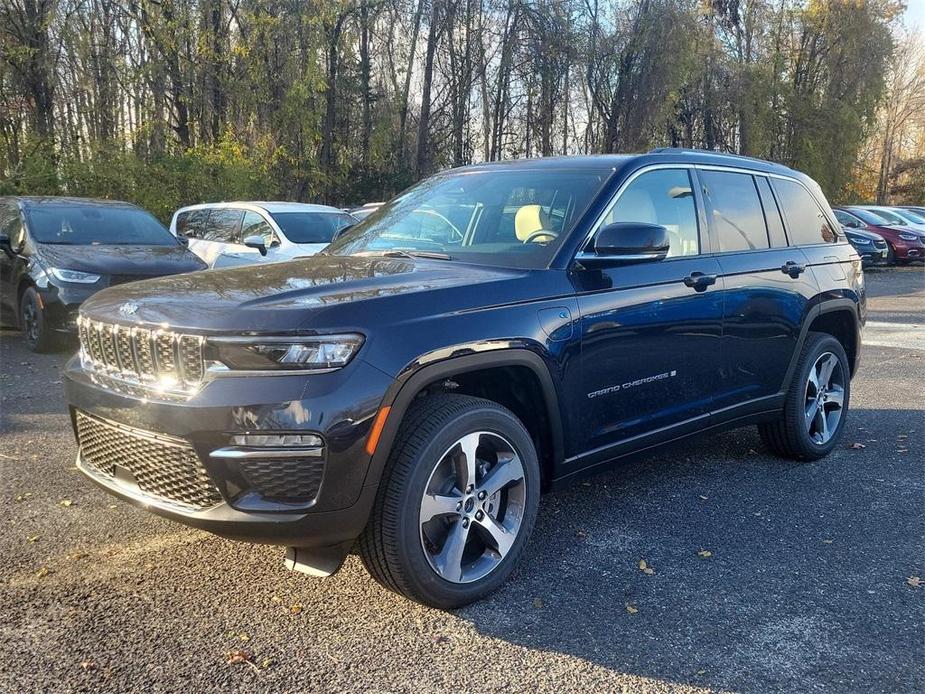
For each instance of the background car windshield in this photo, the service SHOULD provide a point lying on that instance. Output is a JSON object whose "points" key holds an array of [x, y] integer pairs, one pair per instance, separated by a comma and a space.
{"points": [[911, 216], [312, 227], [870, 217], [515, 218], [83, 225]]}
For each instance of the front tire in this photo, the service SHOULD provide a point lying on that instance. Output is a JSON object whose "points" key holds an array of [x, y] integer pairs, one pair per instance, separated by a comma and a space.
{"points": [[813, 419], [35, 329], [456, 504]]}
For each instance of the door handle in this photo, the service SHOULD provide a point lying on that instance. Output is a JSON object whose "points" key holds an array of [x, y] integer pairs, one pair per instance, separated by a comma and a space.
{"points": [[793, 269], [700, 281]]}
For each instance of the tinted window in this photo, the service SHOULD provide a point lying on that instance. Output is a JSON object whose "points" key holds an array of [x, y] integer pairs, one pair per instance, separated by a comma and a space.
{"points": [[771, 213], [192, 223], [664, 197], [490, 216], [806, 223], [870, 217], [255, 225], [846, 219], [84, 225], [735, 209], [224, 225], [312, 227]]}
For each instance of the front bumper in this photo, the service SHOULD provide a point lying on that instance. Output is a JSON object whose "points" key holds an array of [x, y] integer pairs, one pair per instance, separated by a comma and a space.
{"points": [[203, 426]]}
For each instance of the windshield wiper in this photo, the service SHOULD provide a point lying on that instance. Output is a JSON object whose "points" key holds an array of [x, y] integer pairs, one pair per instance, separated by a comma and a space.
{"points": [[430, 255]]}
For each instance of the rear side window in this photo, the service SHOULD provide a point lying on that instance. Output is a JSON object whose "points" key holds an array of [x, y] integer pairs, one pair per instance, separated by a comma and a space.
{"points": [[192, 223], [806, 222], [735, 211], [224, 226], [771, 213], [11, 223]]}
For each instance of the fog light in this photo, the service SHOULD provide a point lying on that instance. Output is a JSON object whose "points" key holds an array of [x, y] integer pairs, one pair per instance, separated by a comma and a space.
{"points": [[276, 440]]}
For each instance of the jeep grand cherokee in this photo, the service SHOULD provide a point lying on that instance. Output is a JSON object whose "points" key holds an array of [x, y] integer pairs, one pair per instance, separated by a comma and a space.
{"points": [[495, 331]]}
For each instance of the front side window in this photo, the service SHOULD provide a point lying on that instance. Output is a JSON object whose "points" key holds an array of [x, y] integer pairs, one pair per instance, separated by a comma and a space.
{"points": [[515, 217], [255, 225], [224, 225], [806, 222], [91, 225], [664, 197], [735, 210], [846, 219], [312, 227]]}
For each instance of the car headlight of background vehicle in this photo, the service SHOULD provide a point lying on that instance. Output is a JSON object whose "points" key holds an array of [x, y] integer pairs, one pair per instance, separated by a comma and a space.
{"points": [[909, 237], [73, 276], [283, 353], [859, 241]]}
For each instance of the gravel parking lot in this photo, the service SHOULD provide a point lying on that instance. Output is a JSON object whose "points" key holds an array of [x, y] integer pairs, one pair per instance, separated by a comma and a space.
{"points": [[768, 575]]}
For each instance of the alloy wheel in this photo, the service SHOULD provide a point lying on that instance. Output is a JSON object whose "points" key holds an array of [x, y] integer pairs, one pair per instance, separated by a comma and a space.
{"points": [[30, 320], [824, 398], [473, 507]]}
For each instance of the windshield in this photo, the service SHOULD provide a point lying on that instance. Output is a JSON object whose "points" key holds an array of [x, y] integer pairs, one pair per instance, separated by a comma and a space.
{"points": [[891, 217], [911, 216], [870, 217], [312, 227], [514, 218], [102, 225]]}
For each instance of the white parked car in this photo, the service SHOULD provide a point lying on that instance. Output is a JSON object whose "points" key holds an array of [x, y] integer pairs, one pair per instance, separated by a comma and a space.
{"points": [[226, 234], [898, 216]]}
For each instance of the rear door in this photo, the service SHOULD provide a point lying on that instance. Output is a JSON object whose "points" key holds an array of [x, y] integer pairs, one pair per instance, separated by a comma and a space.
{"points": [[220, 235], [766, 287], [650, 332]]}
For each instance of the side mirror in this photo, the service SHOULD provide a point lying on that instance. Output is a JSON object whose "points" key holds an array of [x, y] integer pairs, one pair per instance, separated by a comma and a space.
{"points": [[5, 244], [623, 243], [256, 242]]}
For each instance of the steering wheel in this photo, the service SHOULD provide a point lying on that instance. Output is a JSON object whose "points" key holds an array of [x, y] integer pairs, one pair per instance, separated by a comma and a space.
{"points": [[539, 233]]}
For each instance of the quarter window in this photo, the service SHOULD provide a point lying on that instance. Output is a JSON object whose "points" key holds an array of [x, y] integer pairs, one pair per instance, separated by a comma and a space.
{"points": [[665, 197], [735, 211], [806, 222], [192, 223]]}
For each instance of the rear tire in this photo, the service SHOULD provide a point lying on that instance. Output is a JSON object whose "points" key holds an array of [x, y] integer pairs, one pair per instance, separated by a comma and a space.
{"points": [[816, 404], [440, 533], [35, 329]]}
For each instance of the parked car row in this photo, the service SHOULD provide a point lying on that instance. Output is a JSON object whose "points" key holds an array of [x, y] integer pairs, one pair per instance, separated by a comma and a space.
{"points": [[887, 235]]}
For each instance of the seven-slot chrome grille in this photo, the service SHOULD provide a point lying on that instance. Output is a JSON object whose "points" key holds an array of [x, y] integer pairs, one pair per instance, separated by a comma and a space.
{"points": [[163, 468], [159, 359]]}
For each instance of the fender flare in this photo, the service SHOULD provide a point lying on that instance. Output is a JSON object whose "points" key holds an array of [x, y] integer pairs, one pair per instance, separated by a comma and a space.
{"points": [[843, 304], [403, 391]]}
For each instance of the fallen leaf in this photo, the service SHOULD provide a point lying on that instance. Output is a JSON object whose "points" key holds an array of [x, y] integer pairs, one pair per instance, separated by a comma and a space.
{"points": [[914, 581], [585, 484], [857, 445], [23, 497], [701, 672], [538, 603], [66, 502], [632, 609], [267, 662], [237, 656], [34, 538], [704, 498], [581, 535], [43, 572], [276, 598], [826, 542], [705, 553], [88, 665], [295, 609], [645, 568]]}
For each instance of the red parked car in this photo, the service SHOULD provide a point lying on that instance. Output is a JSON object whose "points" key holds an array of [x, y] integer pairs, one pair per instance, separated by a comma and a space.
{"points": [[904, 244]]}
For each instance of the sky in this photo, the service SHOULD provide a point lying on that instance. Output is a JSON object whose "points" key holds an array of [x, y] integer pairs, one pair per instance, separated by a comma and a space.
{"points": [[915, 13]]}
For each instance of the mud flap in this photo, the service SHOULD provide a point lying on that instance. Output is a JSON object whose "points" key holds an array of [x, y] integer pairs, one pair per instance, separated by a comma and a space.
{"points": [[320, 562]]}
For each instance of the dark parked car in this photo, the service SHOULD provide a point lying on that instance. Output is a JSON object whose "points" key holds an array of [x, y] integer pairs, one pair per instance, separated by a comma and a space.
{"points": [[904, 244], [57, 252], [409, 393], [870, 246]]}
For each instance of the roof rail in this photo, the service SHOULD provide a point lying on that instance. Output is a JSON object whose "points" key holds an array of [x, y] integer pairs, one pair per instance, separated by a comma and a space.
{"points": [[692, 150]]}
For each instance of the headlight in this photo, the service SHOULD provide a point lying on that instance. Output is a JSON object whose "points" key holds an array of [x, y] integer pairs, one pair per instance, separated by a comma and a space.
{"points": [[315, 353], [860, 242], [909, 237], [73, 276]]}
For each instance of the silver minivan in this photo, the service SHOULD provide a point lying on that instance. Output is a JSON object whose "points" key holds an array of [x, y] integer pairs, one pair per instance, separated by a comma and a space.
{"points": [[226, 234]]}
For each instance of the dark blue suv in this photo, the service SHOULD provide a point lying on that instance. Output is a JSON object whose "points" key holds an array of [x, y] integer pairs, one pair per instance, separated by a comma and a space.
{"points": [[494, 331]]}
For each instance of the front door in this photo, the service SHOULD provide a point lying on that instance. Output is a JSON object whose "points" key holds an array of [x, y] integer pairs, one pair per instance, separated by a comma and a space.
{"points": [[651, 331]]}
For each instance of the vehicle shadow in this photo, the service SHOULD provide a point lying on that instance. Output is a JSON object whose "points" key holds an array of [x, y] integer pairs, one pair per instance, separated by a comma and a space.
{"points": [[766, 574]]}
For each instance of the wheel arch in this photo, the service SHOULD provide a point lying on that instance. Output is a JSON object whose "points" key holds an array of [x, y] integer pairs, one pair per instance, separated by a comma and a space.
{"points": [[837, 317], [472, 374]]}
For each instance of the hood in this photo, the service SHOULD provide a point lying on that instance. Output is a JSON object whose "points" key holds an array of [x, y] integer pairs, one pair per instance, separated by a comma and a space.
{"points": [[319, 291], [862, 234], [151, 261]]}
